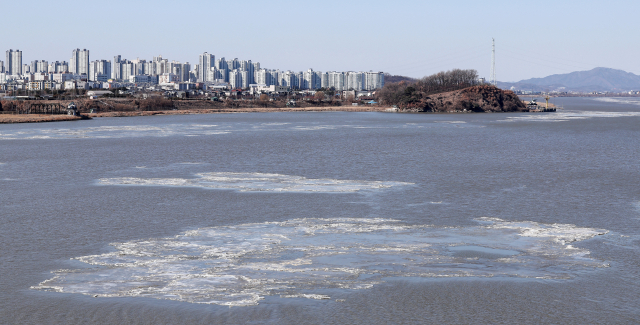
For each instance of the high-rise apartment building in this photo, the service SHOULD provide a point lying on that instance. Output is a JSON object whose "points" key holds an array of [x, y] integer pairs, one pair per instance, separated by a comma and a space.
{"points": [[99, 70], [79, 63], [160, 66], [1, 67], [336, 80], [244, 75], [355, 80], [39, 66], [149, 68], [185, 69], [286, 79], [373, 80], [311, 80], [235, 79], [324, 80], [14, 62], [59, 67], [263, 76], [246, 65], [116, 68], [127, 69], [221, 65], [233, 64], [205, 63], [139, 67]]}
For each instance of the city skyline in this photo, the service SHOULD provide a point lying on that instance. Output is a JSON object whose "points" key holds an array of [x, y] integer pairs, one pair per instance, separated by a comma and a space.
{"points": [[409, 38], [80, 71]]}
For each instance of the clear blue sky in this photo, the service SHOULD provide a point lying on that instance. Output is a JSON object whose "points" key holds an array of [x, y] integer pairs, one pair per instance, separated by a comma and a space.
{"points": [[412, 38]]}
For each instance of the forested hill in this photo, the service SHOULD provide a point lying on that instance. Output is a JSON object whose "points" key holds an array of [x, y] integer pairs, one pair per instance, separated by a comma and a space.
{"points": [[450, 91], [388, 78]]}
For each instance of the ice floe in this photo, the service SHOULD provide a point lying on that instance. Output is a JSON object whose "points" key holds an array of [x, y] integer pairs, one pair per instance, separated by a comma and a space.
{"points": [[256, 182], [308, 258]]}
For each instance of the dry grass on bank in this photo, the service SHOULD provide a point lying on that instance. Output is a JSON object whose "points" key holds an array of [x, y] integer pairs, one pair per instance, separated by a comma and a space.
{"points": [[35, 118], [243, 110]]}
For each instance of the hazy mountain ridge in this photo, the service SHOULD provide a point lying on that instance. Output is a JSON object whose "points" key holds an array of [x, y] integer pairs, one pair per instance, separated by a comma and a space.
{"points": [[597, 79]]}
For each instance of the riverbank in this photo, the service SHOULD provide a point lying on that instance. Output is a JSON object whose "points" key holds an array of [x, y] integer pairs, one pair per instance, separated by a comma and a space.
{"points": [[243, 110], [35, 118]]}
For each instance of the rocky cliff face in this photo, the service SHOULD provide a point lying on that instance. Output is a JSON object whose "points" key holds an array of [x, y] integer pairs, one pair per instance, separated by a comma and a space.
{"points": [[482, 98]]}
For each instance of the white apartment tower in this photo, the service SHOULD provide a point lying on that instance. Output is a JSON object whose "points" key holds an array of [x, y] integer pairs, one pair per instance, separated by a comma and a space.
{"points": [[235, 78], [205, 63], [355, 80], [336, 80], [374, 80], [58, 67], [127, 69], [138, 67], [247, 66], [100, 70], [324, 80], [244, 75], [39, 66], [160, 66], [186, 68], [221, 65], [263, 76], [233, 64], [310, 80], [14, 62], [116, 68], [79, 63]]}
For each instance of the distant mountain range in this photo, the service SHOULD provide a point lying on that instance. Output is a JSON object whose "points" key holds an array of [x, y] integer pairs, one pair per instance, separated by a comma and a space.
{"points": [[598, 79]]}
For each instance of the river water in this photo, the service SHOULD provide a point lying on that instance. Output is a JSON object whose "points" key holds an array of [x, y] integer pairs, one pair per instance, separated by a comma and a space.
{"points": [[324, 218]]}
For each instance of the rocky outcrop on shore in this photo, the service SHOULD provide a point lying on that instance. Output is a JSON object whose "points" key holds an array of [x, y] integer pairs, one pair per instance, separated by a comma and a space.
{"points": [[482, 98]]}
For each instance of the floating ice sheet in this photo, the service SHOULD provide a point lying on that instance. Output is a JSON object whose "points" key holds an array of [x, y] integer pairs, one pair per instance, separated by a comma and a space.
{"points": [[619, 100], [565, 115], [305, 258], [256, 182], [190, 130], [120, 131]]}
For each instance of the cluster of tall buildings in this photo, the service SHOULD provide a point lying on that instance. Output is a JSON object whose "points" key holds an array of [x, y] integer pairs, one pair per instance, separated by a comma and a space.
{"points": [[78, 64], [236, 73], [241, 74]]}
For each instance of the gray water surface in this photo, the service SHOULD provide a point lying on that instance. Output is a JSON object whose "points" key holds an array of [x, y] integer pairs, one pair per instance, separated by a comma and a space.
{"points": [[316, 218]]}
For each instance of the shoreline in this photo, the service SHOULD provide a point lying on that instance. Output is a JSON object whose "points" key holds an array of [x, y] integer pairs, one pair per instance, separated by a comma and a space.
{"points": [[240, 110], [36, 118], [40, 118]]}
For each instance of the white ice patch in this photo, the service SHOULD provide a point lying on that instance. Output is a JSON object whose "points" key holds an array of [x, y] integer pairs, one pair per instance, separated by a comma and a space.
{"points": [[307, 258], [256, 182], [113, 132], [452, 122], [619, 100], [562, 116]]}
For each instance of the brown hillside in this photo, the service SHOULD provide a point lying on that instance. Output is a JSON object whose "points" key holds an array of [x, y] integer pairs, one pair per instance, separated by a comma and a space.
{"points": [[482, 98]]}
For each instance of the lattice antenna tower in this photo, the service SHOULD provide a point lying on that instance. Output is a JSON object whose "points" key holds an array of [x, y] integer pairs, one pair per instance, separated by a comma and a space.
{"points": [[493, 63]]}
